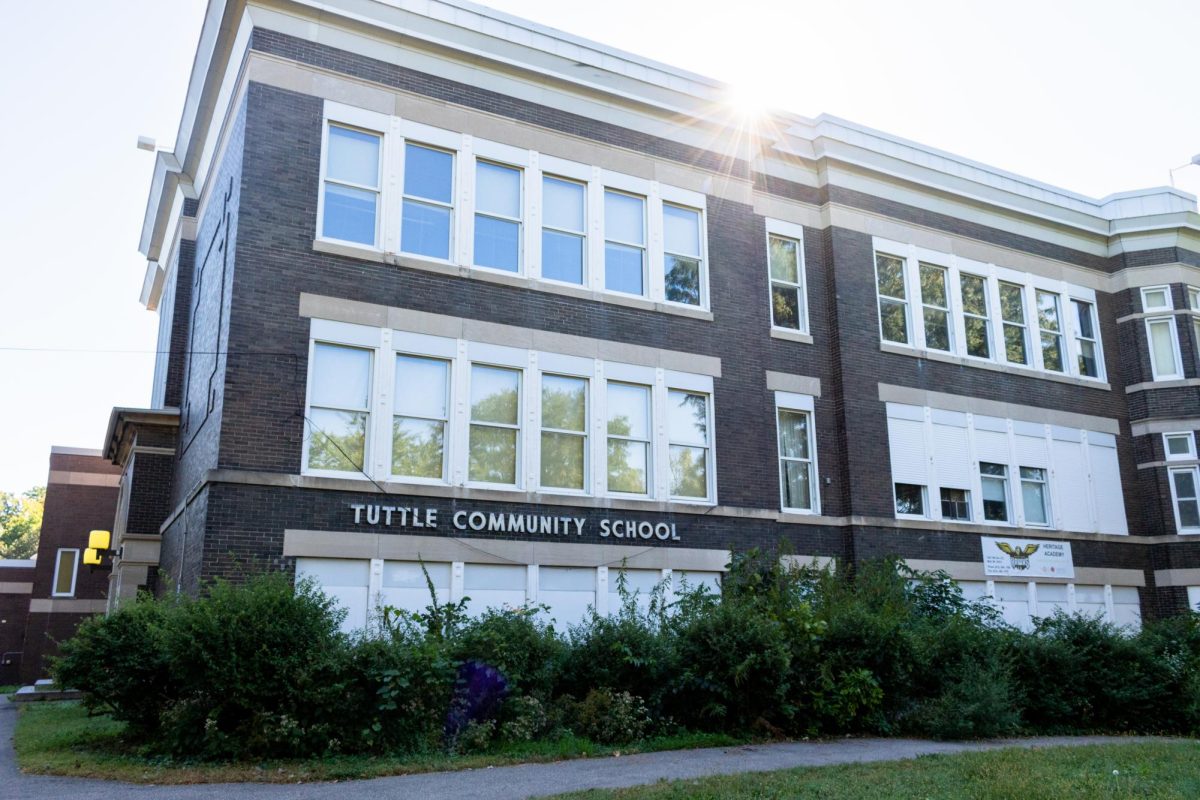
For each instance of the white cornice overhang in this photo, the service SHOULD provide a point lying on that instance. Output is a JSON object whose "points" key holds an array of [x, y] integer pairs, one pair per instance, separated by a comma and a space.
{"points": [[538, 55]]}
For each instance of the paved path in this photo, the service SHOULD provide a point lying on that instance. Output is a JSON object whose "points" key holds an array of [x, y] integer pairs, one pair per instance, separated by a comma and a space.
{"points": [[513, 783]]}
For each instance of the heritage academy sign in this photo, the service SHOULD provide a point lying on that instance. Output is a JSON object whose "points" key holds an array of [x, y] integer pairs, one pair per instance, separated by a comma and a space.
{"points": [[501, 522]]}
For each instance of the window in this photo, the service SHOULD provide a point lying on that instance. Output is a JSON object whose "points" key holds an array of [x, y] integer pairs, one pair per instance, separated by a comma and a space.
{"points": [[682, 255], [893, 303], [994, 483], [1157, 298], [564, 225], [352, 185], [1194, 305], [564, 432], [65, 569], [624, 243], [1034, 497], [1012, 311], [910, 500], [784, 256], [687, 428], [956, 504], [339, 395], [494, 448], [1183, 490], [975, 315], [1193, 298], [935, 302], [497, 216], [1086, 339], [1050, 329], [795, 459], [1179, 446], [1165, 363], [425, 223], [628, 438], [422, 407]]}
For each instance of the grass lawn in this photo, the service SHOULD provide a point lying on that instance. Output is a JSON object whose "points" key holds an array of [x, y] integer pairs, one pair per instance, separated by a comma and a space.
{"points": [[59, 738], [1158, 770]]}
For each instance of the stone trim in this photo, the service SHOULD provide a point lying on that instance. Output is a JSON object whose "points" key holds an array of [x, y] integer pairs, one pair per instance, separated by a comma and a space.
{"points": [[791, 336], [962, 361], [889, 393], [1151, 385], [1177, 577], [798, 384], [63, 477], [973, 571], [1151, 426], [66, 606], [16, 587], [326, 544], [404, 319]]}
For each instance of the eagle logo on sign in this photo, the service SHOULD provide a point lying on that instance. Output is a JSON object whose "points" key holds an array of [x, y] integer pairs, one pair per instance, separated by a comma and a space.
{"points": [[1018, 555]]}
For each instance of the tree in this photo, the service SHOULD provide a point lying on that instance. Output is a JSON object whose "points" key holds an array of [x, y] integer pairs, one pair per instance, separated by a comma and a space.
{"points": [[21, 522]]}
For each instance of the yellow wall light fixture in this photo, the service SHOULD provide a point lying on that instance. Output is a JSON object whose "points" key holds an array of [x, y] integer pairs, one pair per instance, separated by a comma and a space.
{"points": [[99, 540], [92, 557]]}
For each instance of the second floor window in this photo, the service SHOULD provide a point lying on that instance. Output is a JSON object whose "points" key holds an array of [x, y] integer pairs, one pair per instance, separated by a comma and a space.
{"points": [[893, 302], [624, 243], [497, 216], [787, 283], [428, 206], [687, 427], [420, 417], [682, 255], [1012, 311], [1050, 329], [1086, 338], [495, 441], [352, 177], [795, 459], [994, 481], [339, 409], [935, 302], [564, 448], [564, 229], [976, 324], [628, 438]]}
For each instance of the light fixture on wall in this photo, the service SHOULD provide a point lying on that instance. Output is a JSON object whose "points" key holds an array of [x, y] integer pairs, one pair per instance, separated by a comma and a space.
{"points": [[1194, 162], [98, 547]]}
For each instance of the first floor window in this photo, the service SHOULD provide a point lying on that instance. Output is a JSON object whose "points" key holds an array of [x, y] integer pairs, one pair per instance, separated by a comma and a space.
{"points": [[935, 302], [624, 243], [787, 286], [956, 504], [1187, 506], [421, 413], [910, 499], [893, 302], [564, 432], [564, 229], [339, 397], [1034, 497], [497, 216], [682, 255], [495, 425], [687, 426], [994, 482], [795, 458], [1179, 446], [425, 222], [351, 195], [628, 438], [65, 567]]}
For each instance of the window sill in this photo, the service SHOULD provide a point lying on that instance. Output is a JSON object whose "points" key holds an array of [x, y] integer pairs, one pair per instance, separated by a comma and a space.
{"points": [[1170, 383], [791, 336], [992, 366], [502, 278]]}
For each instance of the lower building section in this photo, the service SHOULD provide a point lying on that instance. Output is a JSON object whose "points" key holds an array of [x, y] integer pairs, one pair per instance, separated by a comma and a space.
{"points": [[375, 549]]}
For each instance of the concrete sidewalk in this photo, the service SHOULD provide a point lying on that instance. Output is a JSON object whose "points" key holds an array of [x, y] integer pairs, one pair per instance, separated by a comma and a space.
{"points": [[517, 782]]}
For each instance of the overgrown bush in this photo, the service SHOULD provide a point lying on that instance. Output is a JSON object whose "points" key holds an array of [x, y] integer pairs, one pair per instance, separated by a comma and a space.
{"points": [[261, 670]]}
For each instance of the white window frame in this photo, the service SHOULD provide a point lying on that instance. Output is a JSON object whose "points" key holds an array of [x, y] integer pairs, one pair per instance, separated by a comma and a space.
{"points": [[363, 121], [535, 262], [520, 427], [780, 229], [986, 317], [644, 247], [803, 404], [652, 456], [1195, 472], [448, 434], [519, 220], [387, 343], [344, 335], [1149, 309], [1009, 509], [1078, 336], [970, 500], [667, 196], [1157, 370], [948, 309], [926, 510], [585, 434], [1047, 511], [1029, 285], [1064, 354], [58, 559], [1190, 455]]}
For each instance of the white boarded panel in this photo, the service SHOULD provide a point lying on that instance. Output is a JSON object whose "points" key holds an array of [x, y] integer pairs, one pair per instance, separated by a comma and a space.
{"points": [[1089, 601], [690, 580], [952, 456], [1030, 451], [906, 440], [1106, 483], [493, 586], [405, 586], [1052, 597], [1194, 598], [1013, 599], [569, 592], [1127, 608], [973, 590], [639, 585], [1071, 487], [992, 446], [344, 581]]}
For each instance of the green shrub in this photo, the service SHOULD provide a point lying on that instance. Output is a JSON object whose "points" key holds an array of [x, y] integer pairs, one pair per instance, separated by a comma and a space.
{"points": [[525, 649], [524, 719], [609, 717], [399, 692], [121, 664]]}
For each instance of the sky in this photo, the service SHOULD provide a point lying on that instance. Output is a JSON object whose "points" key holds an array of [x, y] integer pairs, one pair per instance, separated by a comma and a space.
{"points": [[1096, 97]]}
